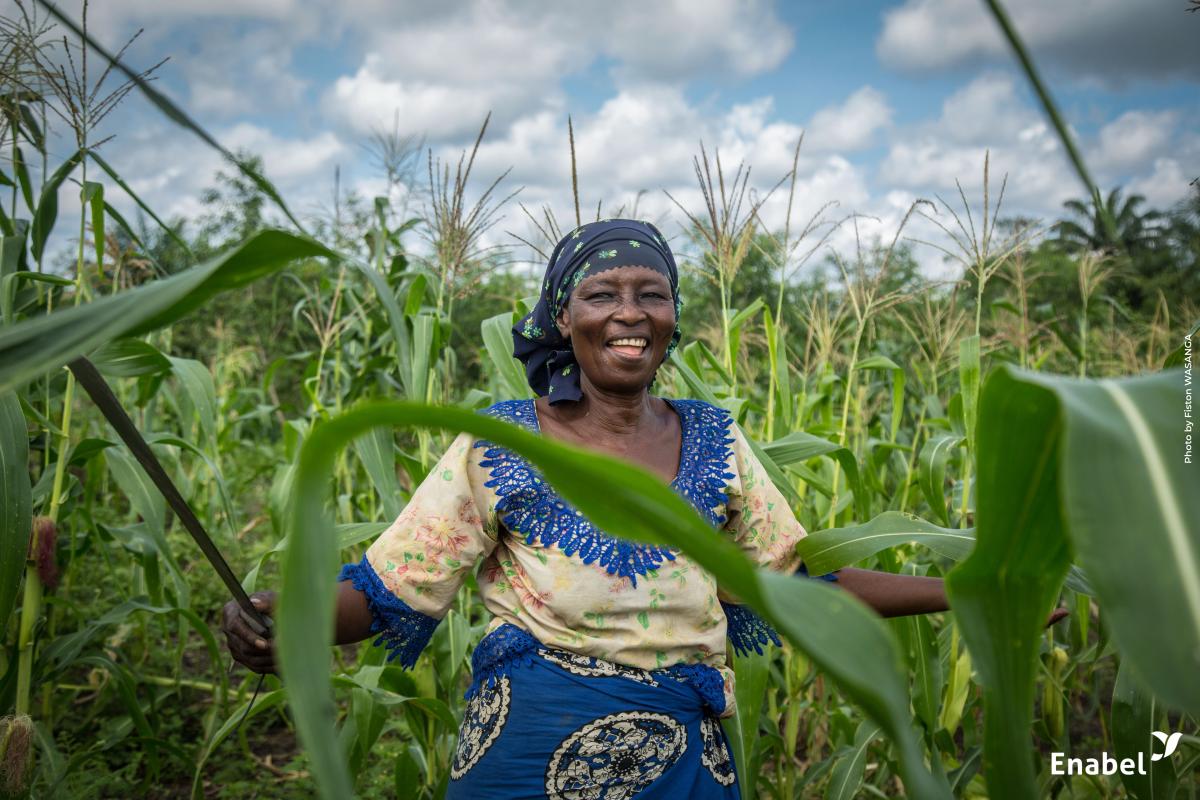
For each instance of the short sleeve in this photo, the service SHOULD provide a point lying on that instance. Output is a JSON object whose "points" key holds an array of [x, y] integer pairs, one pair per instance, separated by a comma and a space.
{"points": [[758, 516], [411, 573], [761, 523]]}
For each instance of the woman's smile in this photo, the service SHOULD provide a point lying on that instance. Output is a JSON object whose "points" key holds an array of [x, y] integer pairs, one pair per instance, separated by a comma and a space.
{"points": [[629, 346]]}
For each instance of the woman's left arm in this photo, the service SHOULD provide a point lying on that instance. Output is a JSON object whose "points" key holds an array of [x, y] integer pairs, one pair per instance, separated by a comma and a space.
{"points": [[892, 595]]}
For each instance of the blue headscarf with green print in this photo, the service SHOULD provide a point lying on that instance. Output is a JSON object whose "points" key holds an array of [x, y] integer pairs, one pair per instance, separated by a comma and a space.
{"points": [[550, 364]]}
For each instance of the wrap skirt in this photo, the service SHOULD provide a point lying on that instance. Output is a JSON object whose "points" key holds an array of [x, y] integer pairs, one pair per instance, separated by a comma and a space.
{"points": [[547, 723]]}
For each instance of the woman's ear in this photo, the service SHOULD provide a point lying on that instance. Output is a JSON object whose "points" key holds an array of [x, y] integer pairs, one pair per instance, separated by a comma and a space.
{"points": [[563, 322]]}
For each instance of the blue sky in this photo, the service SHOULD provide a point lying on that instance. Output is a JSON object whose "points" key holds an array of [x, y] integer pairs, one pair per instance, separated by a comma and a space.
{"points": [[896, 100]]}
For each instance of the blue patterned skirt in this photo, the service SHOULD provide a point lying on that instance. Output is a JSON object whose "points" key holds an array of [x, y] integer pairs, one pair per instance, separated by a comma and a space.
{"points": [[547, 723]]}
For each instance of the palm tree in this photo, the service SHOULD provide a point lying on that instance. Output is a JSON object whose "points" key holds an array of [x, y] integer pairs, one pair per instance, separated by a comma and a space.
{"points": [[1133, 231]]}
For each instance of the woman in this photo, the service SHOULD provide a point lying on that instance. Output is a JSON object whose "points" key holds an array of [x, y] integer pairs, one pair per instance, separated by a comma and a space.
{"points": [[604, 670]]}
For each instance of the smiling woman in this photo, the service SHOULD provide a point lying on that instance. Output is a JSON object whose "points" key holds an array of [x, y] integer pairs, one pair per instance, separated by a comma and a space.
{"points": [[604, 672]]}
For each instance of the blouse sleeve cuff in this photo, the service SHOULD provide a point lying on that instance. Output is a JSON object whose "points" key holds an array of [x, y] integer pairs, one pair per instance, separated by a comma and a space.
{"points": [[747, 631], [830, 576], [402, 630]]}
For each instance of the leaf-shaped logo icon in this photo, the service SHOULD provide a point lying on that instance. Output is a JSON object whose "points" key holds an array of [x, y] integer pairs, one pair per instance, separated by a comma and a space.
{"points": [[1169, 744]]}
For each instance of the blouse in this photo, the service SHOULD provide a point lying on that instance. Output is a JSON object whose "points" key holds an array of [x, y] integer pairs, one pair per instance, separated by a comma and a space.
{"points": [[549, 572]]}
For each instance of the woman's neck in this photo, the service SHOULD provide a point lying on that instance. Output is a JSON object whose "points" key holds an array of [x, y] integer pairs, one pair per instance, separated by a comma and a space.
{"points": [[607, 413]]}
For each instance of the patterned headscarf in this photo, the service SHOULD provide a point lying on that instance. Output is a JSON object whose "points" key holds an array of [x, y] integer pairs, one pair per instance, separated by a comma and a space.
{"points": [[550, 363]]}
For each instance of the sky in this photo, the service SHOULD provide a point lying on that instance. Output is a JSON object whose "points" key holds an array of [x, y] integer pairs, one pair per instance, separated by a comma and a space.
{"points": [[895, 100]]}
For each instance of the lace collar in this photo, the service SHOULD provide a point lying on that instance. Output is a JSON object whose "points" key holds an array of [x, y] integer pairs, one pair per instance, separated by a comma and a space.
{"points": [[530, 507]]}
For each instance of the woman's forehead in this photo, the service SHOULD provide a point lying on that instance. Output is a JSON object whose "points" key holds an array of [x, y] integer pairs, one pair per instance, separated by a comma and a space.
{"points": [[627, 274]]}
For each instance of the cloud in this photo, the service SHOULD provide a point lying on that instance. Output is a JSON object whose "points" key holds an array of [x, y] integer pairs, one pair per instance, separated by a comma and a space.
{"points": [[1110, 40], [985, 117], [445, 65], [1132, 140], [1165, 186], [169, 168], [368, 101], [852, 125]]}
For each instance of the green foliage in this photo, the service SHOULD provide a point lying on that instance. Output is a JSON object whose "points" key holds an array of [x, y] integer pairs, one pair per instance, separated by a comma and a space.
{"points": [[254, 360]]}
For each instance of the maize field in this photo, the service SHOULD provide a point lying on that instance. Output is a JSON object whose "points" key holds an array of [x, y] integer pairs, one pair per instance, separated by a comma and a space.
{"points": [[1018, 431]]}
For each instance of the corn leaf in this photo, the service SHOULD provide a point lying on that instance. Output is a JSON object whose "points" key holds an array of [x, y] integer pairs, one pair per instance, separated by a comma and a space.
{"points": [[16, 504], [1094, 461], [34, 347]]}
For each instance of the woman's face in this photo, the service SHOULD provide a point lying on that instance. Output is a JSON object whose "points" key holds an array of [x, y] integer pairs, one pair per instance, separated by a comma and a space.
{"points": [[620, 323]]}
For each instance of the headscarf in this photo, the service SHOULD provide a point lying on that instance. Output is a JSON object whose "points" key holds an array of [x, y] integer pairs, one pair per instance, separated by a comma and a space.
{"points": [[550, 364]]}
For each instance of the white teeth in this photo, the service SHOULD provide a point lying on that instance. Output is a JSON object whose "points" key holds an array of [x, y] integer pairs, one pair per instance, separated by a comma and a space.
{"points": [[631, 342]]}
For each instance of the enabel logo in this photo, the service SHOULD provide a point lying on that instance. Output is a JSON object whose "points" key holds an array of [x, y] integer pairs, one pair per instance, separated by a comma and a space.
{"points": [[1169, 744], [1107, 765]]}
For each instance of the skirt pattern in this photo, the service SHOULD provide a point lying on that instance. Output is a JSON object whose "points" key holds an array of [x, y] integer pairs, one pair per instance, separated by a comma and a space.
{"points": [[546, 723]]}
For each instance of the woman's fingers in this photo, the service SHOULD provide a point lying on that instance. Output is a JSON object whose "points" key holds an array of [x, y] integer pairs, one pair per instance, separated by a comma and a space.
{"points": [[247, 646]]}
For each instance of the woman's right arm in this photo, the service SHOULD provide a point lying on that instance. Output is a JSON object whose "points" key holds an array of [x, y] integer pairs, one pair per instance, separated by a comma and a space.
{"points": [[410, 574], [353, 624]]}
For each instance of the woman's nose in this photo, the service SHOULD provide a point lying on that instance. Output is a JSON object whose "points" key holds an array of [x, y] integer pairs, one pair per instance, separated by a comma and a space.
{"points": [[629, 309]]}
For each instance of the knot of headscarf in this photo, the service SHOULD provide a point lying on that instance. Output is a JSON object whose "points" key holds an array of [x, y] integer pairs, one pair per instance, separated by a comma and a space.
{"points": [[550, 364]]}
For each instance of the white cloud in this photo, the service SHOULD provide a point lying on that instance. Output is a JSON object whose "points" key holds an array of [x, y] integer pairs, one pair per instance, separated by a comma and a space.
{"points": [[446, 65], [1114, 40], [985, 116], [367, 101], [852, 125], [1132, 140], [1165, 186], [169, 168]]}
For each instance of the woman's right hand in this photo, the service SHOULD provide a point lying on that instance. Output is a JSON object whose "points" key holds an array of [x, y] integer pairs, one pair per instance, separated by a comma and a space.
{"points": [[248, 648]]}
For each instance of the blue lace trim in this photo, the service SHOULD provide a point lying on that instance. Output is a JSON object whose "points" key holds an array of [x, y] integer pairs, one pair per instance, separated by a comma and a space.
{"points": [[706, 680], [402, 630], [509, 647], [501, 651], [530, 507], [748, 631]]}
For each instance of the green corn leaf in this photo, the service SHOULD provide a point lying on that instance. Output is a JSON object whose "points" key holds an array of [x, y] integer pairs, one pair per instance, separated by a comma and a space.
{"points": [[776, 474], [1135, 714], [397, 322], [927, 670], [116, 177], [931, 472], [1003, 593], [846, 780], [886, 364], [834, 548], [34, 347], [21, 170], [1095, 461], [93, 195], [751, 672], [1132, 512], [968, 379], [129, 358], [840, 634], [1175, 358], [497, 338], [377, 452], [16, 502], [200, 396], [800, 446], [46, 213]]}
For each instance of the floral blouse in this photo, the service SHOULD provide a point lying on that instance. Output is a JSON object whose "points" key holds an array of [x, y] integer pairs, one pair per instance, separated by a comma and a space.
{"points": [[548, 571]]}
